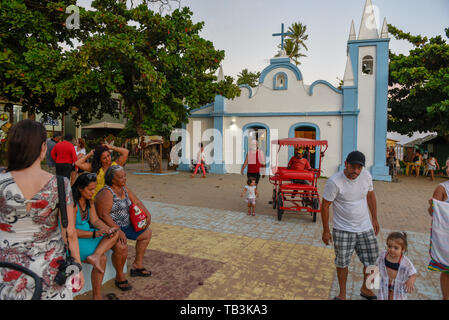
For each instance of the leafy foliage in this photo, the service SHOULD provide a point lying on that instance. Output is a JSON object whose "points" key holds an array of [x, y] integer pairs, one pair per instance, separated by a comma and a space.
{"points": [[31, 37], [156, 63], [419, 85], [249, 78], [296, 41]]}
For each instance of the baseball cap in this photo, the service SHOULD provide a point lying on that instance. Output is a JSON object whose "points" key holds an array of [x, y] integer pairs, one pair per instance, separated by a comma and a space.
{"points": [[356, 157]]}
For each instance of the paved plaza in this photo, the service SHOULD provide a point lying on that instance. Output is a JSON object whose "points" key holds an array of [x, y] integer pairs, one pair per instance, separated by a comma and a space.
{"points": [[199, 251]]}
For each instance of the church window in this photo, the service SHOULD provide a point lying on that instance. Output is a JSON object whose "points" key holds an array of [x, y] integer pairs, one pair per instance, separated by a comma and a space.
{"points": [[280, 81], [367, 65]]}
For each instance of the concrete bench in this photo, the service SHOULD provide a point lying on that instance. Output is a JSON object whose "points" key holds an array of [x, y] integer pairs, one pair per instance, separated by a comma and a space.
{"points": [[108, 274]]}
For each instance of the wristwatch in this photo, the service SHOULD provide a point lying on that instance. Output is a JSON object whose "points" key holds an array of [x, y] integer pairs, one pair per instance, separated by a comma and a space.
{"points": [[93, 235]]}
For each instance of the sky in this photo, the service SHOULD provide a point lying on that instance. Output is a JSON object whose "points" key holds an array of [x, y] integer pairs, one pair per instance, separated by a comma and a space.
{"points": [[244, 28]]}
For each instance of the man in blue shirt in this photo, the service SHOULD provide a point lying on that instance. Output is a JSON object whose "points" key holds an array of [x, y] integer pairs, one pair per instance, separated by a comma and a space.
{"points": [[51, 142]]}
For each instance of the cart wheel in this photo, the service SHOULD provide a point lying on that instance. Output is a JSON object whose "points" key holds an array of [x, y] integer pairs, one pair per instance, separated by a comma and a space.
{"points": [[274, 199], [315, 204], [280, 204]]}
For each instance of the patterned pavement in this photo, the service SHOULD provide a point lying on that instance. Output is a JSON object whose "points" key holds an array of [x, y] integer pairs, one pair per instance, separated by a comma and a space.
{"points": [[205, 247], [200, 253], [292, 245]]}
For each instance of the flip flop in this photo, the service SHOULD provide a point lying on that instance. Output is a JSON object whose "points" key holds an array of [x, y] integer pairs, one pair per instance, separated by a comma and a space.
{"points": [[367, 297], [140, 273], [119, 284], [112, 296]]}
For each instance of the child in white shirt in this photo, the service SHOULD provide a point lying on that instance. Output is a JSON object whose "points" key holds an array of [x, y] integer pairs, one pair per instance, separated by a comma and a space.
{"points": [[251, 194], [397, 273]]}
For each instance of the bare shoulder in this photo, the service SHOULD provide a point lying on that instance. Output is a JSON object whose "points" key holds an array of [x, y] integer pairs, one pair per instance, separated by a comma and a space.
{"points": [[440, 193], [103, 195]]}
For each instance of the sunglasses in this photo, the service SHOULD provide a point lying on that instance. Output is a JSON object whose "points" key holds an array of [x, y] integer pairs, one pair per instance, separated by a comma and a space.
{"points": [[91, 176]]}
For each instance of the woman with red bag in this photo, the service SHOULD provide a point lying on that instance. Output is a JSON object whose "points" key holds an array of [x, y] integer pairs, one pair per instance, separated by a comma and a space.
{"points": [[113, 207]]}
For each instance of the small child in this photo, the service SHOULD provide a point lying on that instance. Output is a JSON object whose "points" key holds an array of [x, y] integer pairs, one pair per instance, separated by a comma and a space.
{"points": [[433, 165], [251, 194], [397, 273]]}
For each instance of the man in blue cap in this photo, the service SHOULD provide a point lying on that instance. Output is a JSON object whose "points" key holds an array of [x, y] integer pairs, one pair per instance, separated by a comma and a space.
{"points": [[352, 194]]}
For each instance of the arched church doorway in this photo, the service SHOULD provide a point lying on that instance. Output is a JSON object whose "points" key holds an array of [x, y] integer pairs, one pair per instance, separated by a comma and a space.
{"points": [[308, 132], [260, 133]]}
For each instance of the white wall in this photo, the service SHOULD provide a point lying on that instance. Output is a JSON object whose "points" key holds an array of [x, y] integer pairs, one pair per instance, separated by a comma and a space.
{"points": [[295, 99], [366, 101], [196, 129]]}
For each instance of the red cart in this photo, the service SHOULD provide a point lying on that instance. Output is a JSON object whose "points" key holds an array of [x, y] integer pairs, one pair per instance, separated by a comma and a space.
{"points": [[297, 196]]}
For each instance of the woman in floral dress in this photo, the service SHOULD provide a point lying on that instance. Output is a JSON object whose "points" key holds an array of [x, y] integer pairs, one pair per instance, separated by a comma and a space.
{"points": [[29, 230]]}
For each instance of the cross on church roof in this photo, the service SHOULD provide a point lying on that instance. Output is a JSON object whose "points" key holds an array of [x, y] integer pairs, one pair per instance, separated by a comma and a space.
{"points": [[282, 34]]}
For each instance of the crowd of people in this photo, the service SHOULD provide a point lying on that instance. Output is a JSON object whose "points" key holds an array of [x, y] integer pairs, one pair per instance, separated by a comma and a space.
{"points": [[355, 225], [418, 160], [97, 202]]}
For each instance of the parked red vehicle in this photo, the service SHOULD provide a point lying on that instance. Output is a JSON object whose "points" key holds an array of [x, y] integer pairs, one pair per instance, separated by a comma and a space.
{"points": [[291, 196]]}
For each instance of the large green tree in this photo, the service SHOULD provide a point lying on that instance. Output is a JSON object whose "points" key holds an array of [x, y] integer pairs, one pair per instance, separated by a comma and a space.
{"points": [[32, 39], [249, 78], [157, 63], [419, 85]]}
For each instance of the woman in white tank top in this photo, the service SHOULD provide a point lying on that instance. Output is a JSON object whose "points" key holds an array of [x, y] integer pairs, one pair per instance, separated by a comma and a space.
{"points": [[441, 193]]}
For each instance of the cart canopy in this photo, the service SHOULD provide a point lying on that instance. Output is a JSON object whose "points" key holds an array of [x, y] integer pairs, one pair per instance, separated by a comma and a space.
{"points": [[300, 142]]}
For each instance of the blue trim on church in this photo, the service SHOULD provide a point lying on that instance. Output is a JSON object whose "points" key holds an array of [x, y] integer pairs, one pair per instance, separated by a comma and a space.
{"points": [[247, 87], [281, 114], [312, 86], [185, 162], [218, 166], [275, 65], [350, 123], [379, 170], [202, 107]]}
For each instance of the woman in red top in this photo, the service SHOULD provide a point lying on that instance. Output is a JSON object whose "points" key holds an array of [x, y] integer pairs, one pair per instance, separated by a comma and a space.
{"points": [[254, 160]]}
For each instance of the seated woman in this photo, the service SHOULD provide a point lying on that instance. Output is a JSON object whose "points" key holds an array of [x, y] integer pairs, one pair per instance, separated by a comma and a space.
{"points": [[112, 203], [95, 238], [101, 161]]}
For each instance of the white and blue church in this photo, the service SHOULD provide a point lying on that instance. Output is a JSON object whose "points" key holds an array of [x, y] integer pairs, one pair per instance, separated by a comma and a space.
{"points": [[353, 117]]}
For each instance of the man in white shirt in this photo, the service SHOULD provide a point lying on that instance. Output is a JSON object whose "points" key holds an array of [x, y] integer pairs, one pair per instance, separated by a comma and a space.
{"points": [[352, 194]]}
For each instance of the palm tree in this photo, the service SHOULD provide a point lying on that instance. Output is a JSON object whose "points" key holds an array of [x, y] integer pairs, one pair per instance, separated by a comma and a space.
{"points": [[296, 41], [249, 78]]}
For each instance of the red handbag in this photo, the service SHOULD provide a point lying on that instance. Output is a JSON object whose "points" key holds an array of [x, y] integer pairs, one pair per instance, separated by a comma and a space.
{"points": [[138, 217]]}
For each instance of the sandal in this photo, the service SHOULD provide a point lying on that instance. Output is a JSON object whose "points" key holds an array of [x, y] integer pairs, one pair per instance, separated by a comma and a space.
{"points": [[140, 273], [112, 296], [367, 297], [119, 284]]}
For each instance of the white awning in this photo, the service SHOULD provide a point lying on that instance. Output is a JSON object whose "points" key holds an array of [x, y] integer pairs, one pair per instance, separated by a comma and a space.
{"points": [[102, 125]]}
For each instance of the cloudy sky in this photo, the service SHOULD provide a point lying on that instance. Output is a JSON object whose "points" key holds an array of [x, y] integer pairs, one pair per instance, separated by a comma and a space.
{"points": [[244, 28]]}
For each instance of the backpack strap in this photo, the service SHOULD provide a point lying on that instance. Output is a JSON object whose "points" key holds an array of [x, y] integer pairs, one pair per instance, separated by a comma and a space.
{"points": [[62, 203]]}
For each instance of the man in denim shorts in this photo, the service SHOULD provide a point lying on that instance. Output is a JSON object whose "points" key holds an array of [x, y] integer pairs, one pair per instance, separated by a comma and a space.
{"points": [[352, 195]]}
